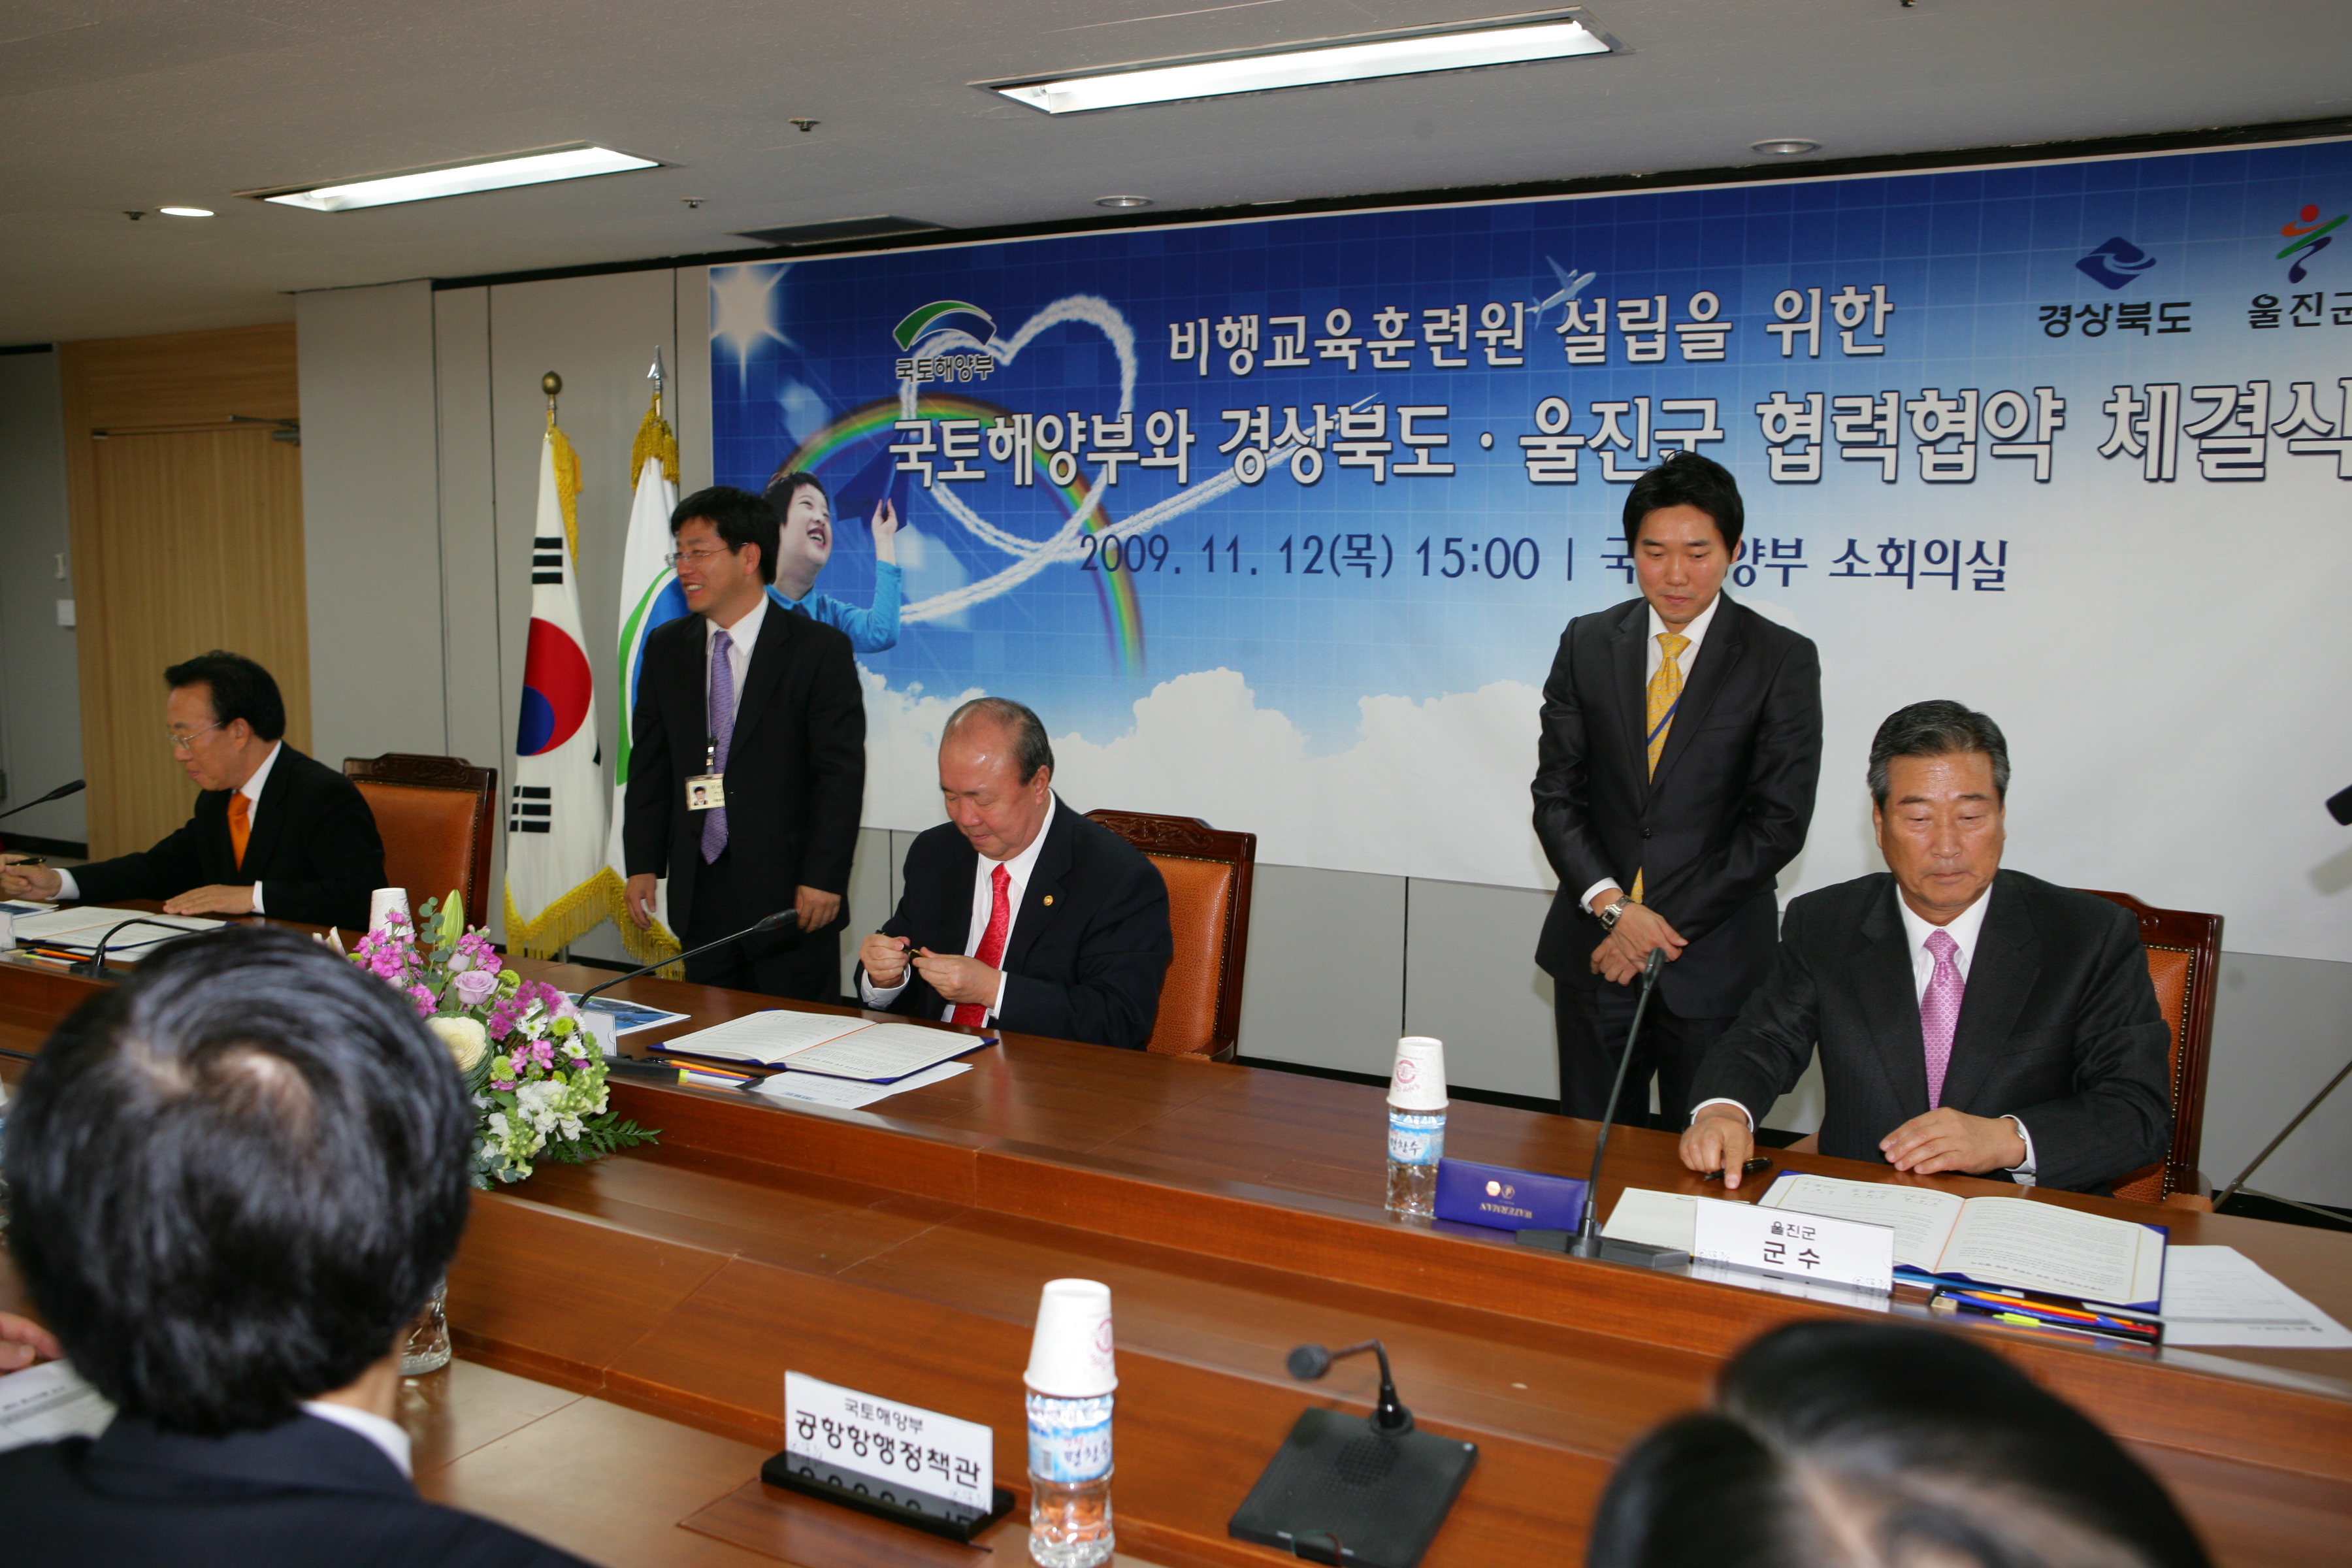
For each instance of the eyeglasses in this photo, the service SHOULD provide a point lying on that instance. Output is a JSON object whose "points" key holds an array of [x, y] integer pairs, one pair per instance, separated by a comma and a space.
{"points": [[676, 557], [187, 743]]}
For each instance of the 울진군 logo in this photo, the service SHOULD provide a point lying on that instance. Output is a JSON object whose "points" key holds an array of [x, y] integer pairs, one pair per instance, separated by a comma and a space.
{"points": [[2307, 237], [2116, 263]]}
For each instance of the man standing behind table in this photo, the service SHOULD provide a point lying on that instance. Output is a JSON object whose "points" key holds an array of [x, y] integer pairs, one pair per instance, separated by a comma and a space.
{"points": [[274, 833], [1969, 1019], [1681, 744], [747, 763], [1017, 909]]}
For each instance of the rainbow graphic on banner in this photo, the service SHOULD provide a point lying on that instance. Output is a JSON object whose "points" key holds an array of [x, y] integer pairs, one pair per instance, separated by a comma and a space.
{"points": [[1121, 605]]}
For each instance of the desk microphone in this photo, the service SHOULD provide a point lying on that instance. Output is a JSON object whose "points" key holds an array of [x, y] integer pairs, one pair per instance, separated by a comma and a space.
{"points": [[1309, 1363], [1589, 1242], [779, 919], [76, 788], [94, 966]]}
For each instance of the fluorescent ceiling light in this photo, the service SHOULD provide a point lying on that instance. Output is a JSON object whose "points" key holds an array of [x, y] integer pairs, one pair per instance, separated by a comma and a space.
{"points": [[575, 163], [1467, 45]]}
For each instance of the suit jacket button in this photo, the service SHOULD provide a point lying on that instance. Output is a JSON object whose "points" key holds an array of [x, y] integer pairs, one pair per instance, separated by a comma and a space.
{"points": [[1646, 833]]}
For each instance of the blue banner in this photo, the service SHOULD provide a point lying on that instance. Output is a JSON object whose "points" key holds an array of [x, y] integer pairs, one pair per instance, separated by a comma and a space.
{"points": [[1277, 523]]}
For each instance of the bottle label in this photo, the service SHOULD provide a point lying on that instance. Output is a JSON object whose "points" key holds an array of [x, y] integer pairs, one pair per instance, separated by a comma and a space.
{"points": [[1416, 1138], [1069, 1439]]}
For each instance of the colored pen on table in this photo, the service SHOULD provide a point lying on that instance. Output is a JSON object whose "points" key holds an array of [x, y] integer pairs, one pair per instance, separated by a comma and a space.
{"points": [[1752, 1167], [2020, 1302], [2013, 1310]]}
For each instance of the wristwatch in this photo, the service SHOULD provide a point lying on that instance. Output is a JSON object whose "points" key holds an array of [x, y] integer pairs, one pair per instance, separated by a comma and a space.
{"points": [[1608, 914]]}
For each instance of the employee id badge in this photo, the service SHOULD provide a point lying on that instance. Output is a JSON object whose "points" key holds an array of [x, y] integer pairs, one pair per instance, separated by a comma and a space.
{"points": [[706, 791]]}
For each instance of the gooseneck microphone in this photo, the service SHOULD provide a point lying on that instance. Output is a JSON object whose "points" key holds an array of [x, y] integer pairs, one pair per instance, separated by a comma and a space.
{"points": [[57, 794], [94, 966], [1588, 1229], [1309, 1363], [779, 919]]}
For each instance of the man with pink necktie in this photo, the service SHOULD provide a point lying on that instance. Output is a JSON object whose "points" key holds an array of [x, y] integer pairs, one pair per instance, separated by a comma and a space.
{"points": [[1017, 910], [1969, 1019]]}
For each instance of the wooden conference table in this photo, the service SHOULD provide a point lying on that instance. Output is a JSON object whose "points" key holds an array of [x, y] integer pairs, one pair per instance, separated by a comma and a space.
{"points": [[623, 1328]]}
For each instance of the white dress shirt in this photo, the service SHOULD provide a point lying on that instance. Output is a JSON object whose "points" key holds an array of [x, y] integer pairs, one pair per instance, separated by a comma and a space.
{"points": [[1964, 928], [983, 904], [385, 1435], [743, 635], [1655, 658], [251, 789]]}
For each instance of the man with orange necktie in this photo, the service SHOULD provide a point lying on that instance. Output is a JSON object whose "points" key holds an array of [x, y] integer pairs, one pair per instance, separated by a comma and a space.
{"points": [[1968, 1018], [1681, 739], [1017, 909], [273, 831]]}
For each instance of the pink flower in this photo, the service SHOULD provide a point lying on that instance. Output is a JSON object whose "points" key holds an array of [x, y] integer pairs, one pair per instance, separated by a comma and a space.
{"points": [[476, 987], [426, 1005]]}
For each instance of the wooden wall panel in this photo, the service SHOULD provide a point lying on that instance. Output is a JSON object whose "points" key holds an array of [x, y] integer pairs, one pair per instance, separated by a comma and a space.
{"points": [[187, 534]]}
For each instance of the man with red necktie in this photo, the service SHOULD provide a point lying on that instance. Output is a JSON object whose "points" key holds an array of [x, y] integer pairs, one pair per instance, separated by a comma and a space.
{"points": [[1017, 909], [1969, 1019]]}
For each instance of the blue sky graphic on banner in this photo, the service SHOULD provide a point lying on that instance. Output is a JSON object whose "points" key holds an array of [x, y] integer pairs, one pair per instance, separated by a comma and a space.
{"points": [[1277, 523]]}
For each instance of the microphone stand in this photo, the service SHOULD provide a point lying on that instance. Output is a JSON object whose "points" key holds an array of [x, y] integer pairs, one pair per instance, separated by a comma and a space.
{"points": [[780, 918], [94, 966], [1307, 1362], [1587, 1241]]}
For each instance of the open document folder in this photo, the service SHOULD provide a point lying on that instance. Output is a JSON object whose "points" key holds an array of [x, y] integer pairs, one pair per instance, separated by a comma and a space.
{"points": [[78, 929], [826, 1043]]}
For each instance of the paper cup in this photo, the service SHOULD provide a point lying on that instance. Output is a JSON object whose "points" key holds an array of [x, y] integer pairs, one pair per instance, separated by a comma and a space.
{"points": [[1417, 1082], [1070, 1357], [385, 901]]}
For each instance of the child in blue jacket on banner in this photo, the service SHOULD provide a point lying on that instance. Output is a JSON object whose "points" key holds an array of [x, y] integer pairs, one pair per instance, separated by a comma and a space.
{"points": [[805, 545]]}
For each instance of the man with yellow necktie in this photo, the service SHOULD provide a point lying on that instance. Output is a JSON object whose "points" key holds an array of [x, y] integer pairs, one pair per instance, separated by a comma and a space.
{"points": [[273, 831], [1675, 778]]}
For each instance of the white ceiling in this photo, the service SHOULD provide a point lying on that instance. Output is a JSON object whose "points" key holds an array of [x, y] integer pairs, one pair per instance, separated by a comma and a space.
{"points": [[112, 105]]}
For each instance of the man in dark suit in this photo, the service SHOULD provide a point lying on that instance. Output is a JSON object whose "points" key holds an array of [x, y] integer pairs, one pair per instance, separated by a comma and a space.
{"points": [[234, 1179], [273, 831], [747, 761], [1681, 741], [1017, 909], [1969, 1019]]}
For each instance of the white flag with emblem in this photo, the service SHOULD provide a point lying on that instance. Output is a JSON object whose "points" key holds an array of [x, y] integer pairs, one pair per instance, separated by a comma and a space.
{"points": [[650, 597]]}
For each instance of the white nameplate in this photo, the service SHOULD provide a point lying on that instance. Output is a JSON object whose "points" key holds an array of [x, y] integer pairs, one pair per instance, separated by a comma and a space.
{"points": [[920, 1448], [1842, 1251]]}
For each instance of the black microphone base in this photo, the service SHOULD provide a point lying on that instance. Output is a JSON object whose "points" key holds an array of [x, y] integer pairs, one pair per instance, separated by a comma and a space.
{"points": [[1634, 1254], [1340, 1490]]}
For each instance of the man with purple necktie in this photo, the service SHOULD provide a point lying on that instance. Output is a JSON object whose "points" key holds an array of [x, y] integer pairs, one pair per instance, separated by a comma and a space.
{"points": [[1969, 1019], [746, 764]]}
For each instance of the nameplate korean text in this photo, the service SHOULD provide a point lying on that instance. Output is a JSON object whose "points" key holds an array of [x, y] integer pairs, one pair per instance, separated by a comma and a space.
{"points": [[919, 1448], [1809, 1247]]}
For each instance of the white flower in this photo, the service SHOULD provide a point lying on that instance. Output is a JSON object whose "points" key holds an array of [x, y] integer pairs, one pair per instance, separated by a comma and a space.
{"points": [[466, 1038]]}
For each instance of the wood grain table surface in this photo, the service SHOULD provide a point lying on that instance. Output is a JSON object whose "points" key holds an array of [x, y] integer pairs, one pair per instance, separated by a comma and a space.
{"points": [[632, 1319]]}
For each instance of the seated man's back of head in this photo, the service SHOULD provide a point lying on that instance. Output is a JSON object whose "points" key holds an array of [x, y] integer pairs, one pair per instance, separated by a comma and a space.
{"points": [[234, 1178]]}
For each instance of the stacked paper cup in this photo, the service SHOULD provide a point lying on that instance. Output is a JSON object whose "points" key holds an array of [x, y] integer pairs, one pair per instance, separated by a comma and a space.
{"points": [[1071, 1378], [384, 902], [1416, 1125]]}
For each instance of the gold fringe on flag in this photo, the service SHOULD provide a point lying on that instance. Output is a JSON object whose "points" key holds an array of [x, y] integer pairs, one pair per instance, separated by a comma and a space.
{"points": [[567, 488], [654, 438]]}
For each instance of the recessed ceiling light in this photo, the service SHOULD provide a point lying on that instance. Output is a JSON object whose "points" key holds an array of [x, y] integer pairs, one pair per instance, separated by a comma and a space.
{"points": [[1122, 201], [1496, 41], [575, 163], [185, 211], [1784, 146]]}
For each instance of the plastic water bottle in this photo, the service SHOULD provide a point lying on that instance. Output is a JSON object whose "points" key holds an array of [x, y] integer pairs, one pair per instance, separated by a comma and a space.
{"points": [[1069, 1481], [1416, 1125], [1416, 1142]]}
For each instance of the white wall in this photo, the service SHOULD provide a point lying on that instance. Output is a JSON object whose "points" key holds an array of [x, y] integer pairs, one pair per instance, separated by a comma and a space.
{"points": [[40, 679], [1340, 963]]}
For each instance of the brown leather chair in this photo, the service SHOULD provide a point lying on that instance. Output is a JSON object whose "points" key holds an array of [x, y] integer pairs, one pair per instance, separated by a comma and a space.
{"points": [[2184, 949], [2184, 956], [436, 815], [1207, 873]]}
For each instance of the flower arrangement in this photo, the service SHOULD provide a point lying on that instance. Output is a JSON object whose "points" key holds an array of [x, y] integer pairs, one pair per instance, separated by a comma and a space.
{"points": [[534, 1071]]}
